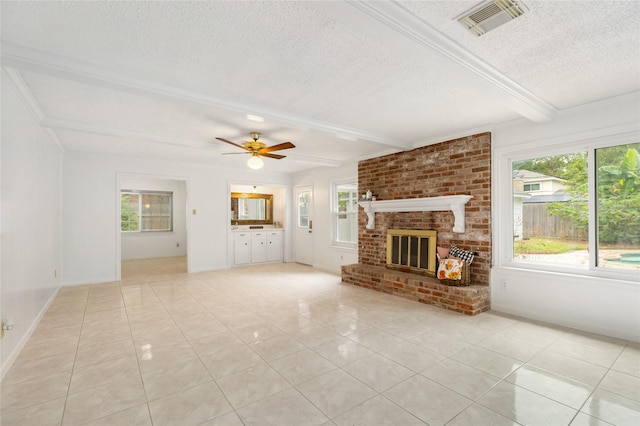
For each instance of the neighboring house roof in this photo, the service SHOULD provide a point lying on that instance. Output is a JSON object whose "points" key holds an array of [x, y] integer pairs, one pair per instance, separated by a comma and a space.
{"points": [[528, 175], [520, 194]]}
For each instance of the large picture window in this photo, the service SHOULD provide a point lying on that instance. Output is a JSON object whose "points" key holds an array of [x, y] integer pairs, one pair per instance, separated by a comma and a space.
{"points": [[146, 211], [345, 213], [579, 209]]}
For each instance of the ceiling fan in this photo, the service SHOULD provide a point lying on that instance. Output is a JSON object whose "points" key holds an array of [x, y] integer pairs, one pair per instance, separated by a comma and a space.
{"points": [[258, 149]]}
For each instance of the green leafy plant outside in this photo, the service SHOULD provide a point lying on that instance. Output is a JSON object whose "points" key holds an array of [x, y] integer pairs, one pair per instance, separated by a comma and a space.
{"points": [[618, 181]]}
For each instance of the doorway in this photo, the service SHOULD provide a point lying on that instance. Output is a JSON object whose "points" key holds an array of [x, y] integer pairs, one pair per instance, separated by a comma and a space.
{"points": [[152, 225], [304, 225]]}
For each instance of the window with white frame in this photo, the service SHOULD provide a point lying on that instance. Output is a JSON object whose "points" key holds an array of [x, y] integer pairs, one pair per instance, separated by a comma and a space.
{"points": [[345, 213], [146, 211], [592, 222], [532, 186]]}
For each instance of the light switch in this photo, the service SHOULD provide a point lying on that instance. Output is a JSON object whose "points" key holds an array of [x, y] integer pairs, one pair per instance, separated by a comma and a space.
{"points": [[194, 211]]}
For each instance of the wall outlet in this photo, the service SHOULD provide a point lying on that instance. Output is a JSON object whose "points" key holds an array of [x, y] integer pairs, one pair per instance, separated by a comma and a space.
{"points": [[7, 324], [55, 273], [178, 244], [503, 285]]}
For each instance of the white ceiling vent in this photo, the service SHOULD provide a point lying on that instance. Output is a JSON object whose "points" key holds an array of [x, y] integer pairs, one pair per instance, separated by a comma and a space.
{"points": [[490, 15]]}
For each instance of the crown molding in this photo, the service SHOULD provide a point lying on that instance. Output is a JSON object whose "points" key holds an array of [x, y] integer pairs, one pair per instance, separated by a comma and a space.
{"points": [[315, 160], [23, 89], [401, 20], [41, 62], [444, 137], [78, 126], [396, 19], [600, 137], [631, 97]]}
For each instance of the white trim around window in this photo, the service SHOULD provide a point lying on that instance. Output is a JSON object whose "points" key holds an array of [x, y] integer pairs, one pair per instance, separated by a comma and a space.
{"points": [[344, 213], [503, 159]]}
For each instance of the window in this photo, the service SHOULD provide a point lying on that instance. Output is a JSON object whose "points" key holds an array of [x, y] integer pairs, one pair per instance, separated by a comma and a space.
{"points": [[618, 206], [532, 187], [146, 211], [304, 201], [591, 220], [345, 213]]}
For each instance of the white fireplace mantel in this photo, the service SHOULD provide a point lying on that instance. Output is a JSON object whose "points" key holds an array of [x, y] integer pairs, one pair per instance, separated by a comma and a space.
{"points": [[455, 203]]}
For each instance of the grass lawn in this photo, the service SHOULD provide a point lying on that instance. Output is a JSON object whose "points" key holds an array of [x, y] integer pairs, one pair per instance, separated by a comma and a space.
{"points": [[540, 245]]}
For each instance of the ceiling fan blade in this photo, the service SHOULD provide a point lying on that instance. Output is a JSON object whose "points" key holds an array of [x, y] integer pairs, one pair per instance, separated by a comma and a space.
{"points": [[284, 145], [276, 156], [233, 153], [233, 143]]}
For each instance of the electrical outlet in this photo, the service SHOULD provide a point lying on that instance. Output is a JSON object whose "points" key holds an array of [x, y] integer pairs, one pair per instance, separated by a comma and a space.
{"points": [[7, 324], [503, 284], [55, 273], [177, 244]]}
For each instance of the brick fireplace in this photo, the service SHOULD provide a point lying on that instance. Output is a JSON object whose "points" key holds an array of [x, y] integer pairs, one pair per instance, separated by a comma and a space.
{"points": [[457, 167]]}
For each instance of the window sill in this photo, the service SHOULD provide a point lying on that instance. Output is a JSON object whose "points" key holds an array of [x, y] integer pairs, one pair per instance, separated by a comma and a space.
{"points": [[347, 247], [626, 276], [139, 233]]}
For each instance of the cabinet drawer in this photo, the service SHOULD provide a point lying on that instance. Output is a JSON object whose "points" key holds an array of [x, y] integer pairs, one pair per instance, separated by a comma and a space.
{"points": [[272, 234], [241, 235], [260, 234]]}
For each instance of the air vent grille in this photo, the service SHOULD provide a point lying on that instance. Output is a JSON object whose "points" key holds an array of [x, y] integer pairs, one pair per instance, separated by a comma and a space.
{"points": [[490, 15]]}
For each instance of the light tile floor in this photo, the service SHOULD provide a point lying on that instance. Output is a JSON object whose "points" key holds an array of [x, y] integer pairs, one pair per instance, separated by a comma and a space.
{"points": [[286, 344]]}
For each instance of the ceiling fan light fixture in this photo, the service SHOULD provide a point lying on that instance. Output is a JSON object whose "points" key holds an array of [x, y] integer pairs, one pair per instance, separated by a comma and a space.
{"points": [[255, 162]]}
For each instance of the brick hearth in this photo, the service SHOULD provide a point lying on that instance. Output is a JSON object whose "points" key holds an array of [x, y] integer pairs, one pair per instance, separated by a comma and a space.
{"points": [[470, 300]]}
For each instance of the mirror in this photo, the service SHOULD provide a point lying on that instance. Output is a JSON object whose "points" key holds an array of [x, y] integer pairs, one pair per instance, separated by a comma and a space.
{"points": [[251, 209]]}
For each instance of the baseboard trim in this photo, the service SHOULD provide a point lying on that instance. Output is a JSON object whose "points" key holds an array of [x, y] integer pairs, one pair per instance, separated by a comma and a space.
{"points": [[531, 315], [25, 338]]}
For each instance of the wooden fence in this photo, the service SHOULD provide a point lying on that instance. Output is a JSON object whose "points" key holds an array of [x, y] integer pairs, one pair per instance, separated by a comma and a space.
{"points": [[538, 222]]}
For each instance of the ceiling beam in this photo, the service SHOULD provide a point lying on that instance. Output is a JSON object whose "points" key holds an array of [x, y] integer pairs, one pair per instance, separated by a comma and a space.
{"points": [[76, 126], [80, 126], [34, 105], [391, 24], [41, 62]]}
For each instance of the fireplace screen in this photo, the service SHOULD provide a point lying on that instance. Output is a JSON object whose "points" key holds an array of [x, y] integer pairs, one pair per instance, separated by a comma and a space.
{"points": [[412, 250]]}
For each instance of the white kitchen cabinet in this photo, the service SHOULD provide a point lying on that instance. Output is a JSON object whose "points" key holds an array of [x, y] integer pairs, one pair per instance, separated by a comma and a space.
{"points": [[242, 247], [275, 246], [265, 245], [258, 246]]}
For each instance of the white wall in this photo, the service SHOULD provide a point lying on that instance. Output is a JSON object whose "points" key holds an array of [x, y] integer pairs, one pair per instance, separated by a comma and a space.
{"points": [[143, 245], [31, 194], [91, 219], [325, 255], [603, 304]]}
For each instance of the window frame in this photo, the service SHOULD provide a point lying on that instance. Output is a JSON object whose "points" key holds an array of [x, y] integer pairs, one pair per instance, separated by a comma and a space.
{"points": [[335, 214], [141, 193], [503, 200]]}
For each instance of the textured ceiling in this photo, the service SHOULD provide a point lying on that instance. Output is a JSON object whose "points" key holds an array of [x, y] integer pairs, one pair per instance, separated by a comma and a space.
{"points": [[341, 80]]}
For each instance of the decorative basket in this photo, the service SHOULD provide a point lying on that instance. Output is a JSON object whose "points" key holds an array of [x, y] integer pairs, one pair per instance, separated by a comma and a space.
{"points": [[465, 277]]}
